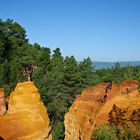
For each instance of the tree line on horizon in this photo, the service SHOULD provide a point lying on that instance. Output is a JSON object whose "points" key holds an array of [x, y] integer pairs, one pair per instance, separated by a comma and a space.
{"points": [[59, 79]]}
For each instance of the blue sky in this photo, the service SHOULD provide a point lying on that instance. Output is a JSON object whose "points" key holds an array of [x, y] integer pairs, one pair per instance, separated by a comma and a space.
{"points": [[105, 30]]}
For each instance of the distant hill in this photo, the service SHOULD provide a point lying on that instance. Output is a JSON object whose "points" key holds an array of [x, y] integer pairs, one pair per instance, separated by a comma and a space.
{"points": [[100, 65]]}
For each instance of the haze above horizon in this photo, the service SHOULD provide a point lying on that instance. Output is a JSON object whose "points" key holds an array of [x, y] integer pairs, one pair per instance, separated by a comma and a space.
{"points": [[105, 30]]}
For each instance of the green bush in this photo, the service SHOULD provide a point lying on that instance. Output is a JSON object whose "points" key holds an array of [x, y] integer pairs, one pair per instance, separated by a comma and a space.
{"points": [[104, 132], [58, 131]]}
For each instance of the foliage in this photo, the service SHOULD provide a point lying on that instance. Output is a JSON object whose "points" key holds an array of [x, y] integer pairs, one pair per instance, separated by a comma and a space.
{"points": [[120, 126], [58, 132], [105, 132], [128, 126]]}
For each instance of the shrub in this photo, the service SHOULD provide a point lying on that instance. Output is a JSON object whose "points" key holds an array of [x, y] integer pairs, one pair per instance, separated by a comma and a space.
{"points": [[105, 132]]}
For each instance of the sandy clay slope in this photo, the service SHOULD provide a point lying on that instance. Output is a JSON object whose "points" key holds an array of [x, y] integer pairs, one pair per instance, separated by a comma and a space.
{"points": [[26, 118], [94, 104]]}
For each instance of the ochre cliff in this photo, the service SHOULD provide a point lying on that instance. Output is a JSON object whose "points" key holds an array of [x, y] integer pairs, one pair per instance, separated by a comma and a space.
{"points": [[2, 102], [94, 104], [27, 117]]}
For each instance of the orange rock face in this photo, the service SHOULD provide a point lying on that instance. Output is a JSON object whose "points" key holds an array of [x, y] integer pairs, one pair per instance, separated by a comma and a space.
{"points": [[2, 102], [27, 117], [94, 104]]}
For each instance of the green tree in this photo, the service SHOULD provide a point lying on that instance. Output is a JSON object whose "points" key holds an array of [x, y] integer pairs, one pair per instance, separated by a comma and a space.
{"points": [[87, 70], [12, 35], [71, 79], [104, 75], [128, 73], [12, 40], [117, 73], [55, 98]]}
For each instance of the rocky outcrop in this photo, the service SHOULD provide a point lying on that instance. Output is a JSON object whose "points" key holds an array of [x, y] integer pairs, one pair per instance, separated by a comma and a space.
{"points": [[2, 102], [94, 104], [27, 117]]}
